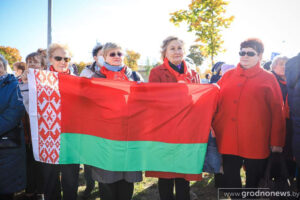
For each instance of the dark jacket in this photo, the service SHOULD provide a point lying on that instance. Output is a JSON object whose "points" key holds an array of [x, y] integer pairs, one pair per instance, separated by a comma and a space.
{"points": [[292, 72], [12, 161], [287, 149]]}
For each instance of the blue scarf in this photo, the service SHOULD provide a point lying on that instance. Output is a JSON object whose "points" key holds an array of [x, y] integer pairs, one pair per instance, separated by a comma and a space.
{"points": [[112, 68]]}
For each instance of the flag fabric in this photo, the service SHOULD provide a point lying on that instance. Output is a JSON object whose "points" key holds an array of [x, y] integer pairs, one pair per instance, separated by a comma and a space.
{"points": [[120, 125]]}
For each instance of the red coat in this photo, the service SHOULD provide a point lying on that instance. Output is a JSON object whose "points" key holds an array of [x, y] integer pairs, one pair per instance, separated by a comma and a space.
{"points": [[163, 75], [250, 116]]}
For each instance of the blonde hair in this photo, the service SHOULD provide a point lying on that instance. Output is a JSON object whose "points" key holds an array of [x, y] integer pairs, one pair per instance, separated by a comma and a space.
{"points": [[277, 59], [53, 47], [108, 47], [166, 43]]}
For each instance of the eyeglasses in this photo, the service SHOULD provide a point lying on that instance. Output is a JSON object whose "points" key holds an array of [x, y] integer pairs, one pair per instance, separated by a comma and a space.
{"points": [[58, 58], [248, 53], [113, 54]]}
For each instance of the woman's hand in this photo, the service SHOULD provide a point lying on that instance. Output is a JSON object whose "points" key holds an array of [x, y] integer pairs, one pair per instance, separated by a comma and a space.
{"points": [[275, 149]]}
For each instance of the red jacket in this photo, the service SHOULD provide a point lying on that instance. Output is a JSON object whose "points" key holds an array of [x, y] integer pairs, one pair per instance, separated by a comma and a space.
{"points": [[163, 75], [250, 116]]}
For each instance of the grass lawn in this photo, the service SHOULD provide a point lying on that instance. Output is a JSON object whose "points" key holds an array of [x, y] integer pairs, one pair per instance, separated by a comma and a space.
{"points": [[147, 189]]}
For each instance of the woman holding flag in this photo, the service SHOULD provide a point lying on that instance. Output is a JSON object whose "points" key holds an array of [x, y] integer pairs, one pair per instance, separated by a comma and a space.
{"points": [[59, 57], [173, 69], [249, 122], [115, 185]]}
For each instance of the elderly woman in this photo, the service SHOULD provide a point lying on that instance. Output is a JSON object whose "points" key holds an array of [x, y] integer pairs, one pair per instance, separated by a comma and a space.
{"points": [[278, 69], [12, 145], [59, 58], [250, 118], [173, 69], [115, 185]]}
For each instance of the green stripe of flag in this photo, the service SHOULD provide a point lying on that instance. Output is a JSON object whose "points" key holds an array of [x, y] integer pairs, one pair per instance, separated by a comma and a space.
{"points": [[131, 155]]}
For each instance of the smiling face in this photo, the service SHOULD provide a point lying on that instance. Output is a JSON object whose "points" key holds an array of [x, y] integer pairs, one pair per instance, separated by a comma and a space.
{"points": [[247, 61], [174, 52], [60, 60], [114, 57]]}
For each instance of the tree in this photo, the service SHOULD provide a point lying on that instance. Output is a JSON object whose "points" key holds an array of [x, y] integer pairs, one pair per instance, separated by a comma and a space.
{"points": [[81, 65], [207, 19], [131, 59], [196, 55], [12, 55]]}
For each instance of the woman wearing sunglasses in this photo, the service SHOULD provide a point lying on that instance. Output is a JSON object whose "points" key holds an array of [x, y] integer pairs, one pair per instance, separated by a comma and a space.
{"points": [[59, 57], [249, 122], [173, 69], [115, 185]]}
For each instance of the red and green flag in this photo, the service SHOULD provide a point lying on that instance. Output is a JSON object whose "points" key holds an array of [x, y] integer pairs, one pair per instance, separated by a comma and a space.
{"points": [[120, 125]]}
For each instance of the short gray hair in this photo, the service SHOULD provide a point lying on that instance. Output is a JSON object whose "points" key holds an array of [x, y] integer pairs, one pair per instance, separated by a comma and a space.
{"points": [[165, 44], [4, 61], [277, 59], [109, 46]]}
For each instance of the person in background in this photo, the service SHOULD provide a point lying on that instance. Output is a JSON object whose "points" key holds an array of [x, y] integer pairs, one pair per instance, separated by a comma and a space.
{"points": [[216, 70], [59, 58], [19, 68], [115, 185], [249, 122], [74, 69], [267, 65], [34, 185], [12, 144], [88, 72], [43, 54], [206, 80], [292, 73], [94, 68], [225, 68], [278, 69], [173, 69]]}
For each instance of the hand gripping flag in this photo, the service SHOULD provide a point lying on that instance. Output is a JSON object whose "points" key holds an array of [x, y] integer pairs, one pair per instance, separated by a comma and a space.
{"points": [[120, 125]]}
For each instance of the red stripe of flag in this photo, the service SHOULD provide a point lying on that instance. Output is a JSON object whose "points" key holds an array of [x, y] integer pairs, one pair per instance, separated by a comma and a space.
{"points": [[126, 111]]}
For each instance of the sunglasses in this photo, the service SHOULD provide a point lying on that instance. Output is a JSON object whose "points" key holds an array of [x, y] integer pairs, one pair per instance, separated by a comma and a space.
{"points": [[113, 54], [248, 53], [58, 58]]}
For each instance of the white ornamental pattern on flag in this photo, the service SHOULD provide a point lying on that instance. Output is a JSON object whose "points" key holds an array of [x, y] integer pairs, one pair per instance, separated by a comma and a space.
{"points": [[49, 115]]}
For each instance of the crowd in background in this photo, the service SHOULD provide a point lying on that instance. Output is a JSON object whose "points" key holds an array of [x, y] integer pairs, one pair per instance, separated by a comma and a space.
{"points": [[257, 117]]}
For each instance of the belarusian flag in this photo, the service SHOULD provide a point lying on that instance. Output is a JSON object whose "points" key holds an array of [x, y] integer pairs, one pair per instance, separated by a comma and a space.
{"points": [[120, 125]]}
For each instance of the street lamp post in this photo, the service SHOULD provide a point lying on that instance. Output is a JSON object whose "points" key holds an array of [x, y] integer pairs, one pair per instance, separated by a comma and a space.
{"points": [[49, 33], [49, 41]]}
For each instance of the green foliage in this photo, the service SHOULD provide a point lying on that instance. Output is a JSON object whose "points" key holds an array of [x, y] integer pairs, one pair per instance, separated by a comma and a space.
{"points": [[196, 55], [12, 55], [131, 59], [206, 18]]}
